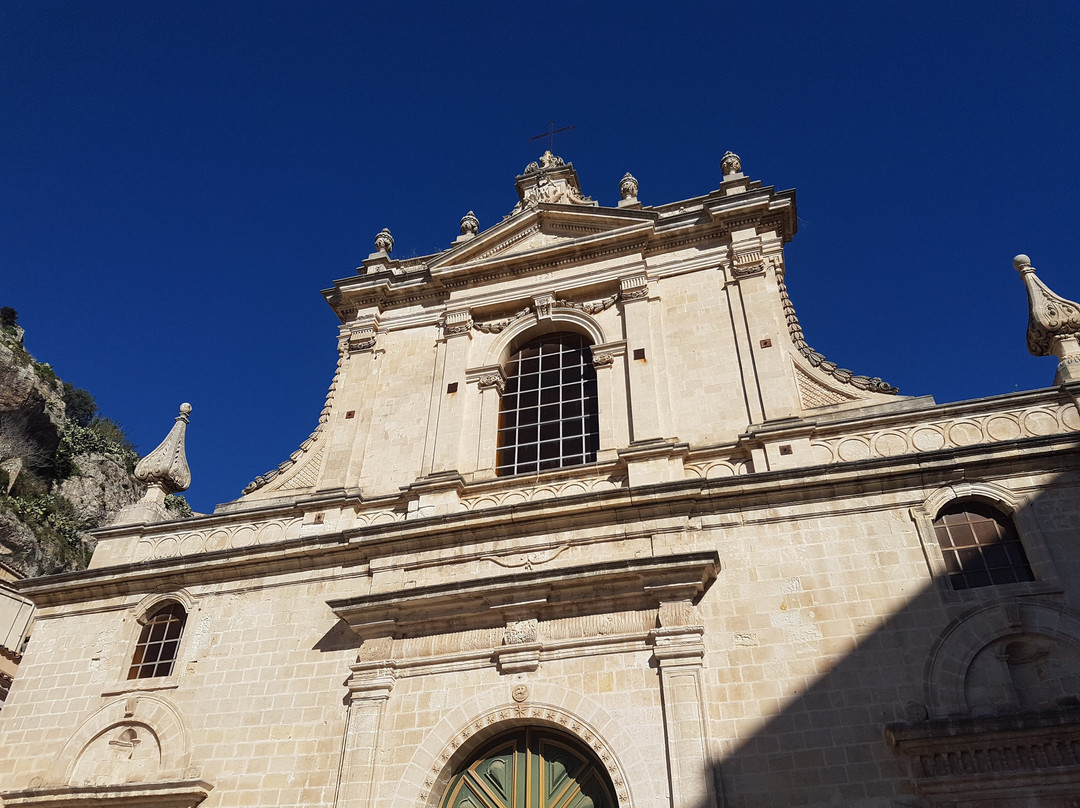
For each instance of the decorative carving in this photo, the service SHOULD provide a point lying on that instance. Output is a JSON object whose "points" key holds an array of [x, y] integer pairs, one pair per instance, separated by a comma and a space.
{"points": [[592, 307], [747, 262], [1053, 324], [549, 160], [522, 712], [542, 305], [220, 537], [520, 693], [519, 632], [470, 225], [384, 242], [457, 322], [628, 186], [730, 164], [492, 380], [362, 338], [992, 427], [568, 488], [634, 288], [602, 360], [166, 468], [873, 385], [813, 393], [526, 560], [496, 326]]}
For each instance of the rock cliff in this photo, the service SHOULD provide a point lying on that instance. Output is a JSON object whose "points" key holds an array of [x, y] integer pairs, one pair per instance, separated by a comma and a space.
{"points": [[64, 469]]}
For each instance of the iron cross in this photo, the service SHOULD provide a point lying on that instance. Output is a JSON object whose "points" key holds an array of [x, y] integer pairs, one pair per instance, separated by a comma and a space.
{"points": [[550, 134]]}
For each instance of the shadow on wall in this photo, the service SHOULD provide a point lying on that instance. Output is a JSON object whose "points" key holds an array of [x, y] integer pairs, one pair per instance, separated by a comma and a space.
{"points": [[960, 699]]}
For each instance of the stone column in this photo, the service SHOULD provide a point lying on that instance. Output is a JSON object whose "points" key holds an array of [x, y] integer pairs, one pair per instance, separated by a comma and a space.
{"points": [[679, 652], [369, 689]]}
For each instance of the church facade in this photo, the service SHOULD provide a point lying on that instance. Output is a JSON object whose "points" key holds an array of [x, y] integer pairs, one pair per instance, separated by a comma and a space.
{"points": [[585, 522]]}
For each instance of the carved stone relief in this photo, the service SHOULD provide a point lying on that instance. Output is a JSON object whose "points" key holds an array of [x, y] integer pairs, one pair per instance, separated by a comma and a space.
{"points": [[949, 433]]}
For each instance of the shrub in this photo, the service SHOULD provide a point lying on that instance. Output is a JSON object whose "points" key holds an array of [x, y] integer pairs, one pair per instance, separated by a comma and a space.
{"points": [[79, 405], [9, 318], [102, 436], [178, 507]]}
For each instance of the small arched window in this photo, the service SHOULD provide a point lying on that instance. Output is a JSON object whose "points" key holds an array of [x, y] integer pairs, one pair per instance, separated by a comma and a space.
{"points": [[980, 546], [548, 416], [159, 643]]}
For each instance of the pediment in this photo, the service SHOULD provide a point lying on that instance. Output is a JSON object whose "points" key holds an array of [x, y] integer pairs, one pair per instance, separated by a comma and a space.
{"points": [[544, 228]]}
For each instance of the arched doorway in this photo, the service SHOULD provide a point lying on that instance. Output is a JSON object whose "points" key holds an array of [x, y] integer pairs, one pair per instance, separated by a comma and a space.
{"points": [[531, 768]]}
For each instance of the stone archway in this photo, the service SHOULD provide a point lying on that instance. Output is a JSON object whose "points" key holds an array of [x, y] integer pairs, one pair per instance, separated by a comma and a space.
{"points": [[531, 767]]}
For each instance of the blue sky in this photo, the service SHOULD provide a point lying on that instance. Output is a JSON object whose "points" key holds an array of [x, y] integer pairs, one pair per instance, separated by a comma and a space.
{"points": [[181, 179]]}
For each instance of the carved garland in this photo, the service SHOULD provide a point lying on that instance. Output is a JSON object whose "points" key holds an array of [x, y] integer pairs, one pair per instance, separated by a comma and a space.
{"points": [[871, 384], [590, 307]]}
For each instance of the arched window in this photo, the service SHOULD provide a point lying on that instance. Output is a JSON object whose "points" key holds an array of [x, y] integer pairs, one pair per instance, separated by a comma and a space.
{"points": [[159, 642], [980, 546], [534, 768], [548, 414]]}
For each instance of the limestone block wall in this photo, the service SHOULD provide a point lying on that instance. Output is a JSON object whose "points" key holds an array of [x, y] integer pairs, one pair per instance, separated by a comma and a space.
{"points": [[817, 632]]}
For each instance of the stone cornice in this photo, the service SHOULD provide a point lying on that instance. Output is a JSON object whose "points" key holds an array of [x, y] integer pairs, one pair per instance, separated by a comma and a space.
{"points": [[172, 794], [678, 499], [962, 757], [587, 589]]}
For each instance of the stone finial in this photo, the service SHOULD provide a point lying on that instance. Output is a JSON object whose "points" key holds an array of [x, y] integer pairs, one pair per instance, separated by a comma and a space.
{"points": [[470, 225], [1053, 323], [384, 242], [628, 186], [166, 467], [164, 471], [730, 164]]}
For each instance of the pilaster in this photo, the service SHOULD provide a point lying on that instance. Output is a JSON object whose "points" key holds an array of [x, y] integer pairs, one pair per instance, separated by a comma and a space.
{"points": [[645, 420], [679, 651], [448, 397], [369, 689]]}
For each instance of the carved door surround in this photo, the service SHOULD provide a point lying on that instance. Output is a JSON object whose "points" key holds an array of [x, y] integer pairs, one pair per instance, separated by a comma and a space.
{"points": [[532, 768], [508, 612]]}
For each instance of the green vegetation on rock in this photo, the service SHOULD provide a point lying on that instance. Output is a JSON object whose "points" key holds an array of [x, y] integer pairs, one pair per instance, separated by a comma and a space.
{"points": [[65, 469]]}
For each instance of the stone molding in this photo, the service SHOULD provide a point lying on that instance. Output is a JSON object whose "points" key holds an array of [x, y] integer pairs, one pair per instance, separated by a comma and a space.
{"points": [[168, 794], [992, 758], [952, 655], [992, 425], [466, 737], [304, 452], [817, 360], [566, 591]]}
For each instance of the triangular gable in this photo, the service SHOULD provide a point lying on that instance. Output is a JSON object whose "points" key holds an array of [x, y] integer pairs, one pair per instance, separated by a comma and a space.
{"points": [[541, 228]]}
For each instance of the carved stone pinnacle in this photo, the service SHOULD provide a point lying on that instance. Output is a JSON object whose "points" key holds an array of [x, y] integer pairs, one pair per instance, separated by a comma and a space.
{"points": [[166, 468], [384, 242], [730, 164], [1053, 323], [628, 186], [470, 225]]}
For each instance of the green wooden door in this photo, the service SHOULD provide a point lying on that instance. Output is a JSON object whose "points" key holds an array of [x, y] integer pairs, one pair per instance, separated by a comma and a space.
{"points": [[531, 768]]}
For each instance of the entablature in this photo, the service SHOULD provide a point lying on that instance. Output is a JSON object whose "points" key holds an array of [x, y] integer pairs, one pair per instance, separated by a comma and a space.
{"points": [[610, 586]]}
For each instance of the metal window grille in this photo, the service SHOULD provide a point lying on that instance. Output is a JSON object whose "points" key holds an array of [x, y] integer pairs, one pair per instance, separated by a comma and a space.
{"points": [[158, 644], [548, 415], [980, 546]]}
